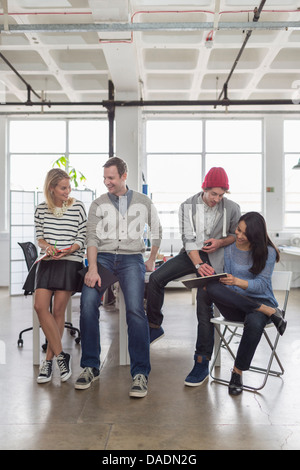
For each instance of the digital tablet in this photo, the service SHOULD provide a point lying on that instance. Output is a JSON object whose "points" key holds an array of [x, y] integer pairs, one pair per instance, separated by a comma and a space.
{"points": [[195, 282], [107, 278]]}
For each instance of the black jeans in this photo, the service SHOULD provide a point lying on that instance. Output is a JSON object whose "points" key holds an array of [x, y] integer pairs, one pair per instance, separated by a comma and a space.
{"points": [[181, 265], [237, 307]]}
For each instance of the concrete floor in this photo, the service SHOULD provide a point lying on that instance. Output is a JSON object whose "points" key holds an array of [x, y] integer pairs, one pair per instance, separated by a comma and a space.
{"points": [[170, 417]]}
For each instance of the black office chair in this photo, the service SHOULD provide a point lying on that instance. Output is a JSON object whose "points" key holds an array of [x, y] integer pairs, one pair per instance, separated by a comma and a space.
{"points": [[30, 254]]}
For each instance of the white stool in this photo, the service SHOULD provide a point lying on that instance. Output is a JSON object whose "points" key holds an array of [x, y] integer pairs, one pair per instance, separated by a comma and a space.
{"points": [[123, 336]]}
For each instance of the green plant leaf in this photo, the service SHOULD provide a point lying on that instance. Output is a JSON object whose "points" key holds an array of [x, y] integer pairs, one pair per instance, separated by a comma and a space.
{"points": [[63, 161]]}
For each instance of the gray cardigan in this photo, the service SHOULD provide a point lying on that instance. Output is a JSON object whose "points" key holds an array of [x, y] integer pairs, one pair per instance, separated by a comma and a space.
{"points": [[112, 232], [228, 214]]}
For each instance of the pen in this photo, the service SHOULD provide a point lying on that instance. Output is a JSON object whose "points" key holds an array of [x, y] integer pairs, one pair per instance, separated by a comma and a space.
{"points": [[54, 247]]}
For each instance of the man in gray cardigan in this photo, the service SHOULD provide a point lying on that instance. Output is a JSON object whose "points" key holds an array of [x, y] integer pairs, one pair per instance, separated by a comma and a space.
{"points": [[115, 246], [207, 223]]}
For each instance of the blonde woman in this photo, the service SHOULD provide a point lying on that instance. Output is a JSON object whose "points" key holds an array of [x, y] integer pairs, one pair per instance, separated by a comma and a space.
{"points": [[60, 224]]}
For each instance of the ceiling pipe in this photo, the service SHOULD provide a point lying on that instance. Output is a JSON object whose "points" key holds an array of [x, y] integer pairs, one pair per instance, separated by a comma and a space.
{"points": [[111, 104], [111, 119], [28, 86], [225, 102], [257, 12], [128, 27]]}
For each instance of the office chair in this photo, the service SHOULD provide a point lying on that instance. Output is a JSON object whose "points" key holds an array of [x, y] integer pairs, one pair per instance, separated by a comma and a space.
{"points": [[281, 281], [30, 254]]}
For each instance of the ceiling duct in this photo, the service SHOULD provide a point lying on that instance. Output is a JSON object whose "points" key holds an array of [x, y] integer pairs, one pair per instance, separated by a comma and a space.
{"points": [[257, 12], [104, 11], [108, 12]]}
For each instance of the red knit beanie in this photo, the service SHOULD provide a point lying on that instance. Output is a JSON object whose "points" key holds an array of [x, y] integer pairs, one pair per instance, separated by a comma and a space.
{"points": [[216, 178]]}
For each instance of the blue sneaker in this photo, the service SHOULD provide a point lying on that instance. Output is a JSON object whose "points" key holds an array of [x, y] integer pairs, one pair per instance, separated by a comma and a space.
{"points": [[156, 334], [199, 373]]}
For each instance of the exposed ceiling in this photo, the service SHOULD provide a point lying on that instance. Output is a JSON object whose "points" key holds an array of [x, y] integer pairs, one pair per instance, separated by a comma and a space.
{"points": [[67, 51]]}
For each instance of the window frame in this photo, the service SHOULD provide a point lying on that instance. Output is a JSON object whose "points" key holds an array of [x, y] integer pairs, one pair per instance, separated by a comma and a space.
{"points": [[56, 155]]}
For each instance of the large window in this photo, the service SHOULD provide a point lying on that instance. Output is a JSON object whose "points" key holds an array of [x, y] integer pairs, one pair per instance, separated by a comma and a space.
{"points": [[237, 147], [179, 153], [292, 176], [35, 145], [174, 170]]}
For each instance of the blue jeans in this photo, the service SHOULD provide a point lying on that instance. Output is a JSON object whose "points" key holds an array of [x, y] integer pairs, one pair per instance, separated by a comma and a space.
{"points": [[130, 270], [181, 265], [237, 307]]}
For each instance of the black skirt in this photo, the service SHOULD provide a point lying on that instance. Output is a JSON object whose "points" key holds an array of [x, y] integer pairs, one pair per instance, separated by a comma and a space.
{"points": [[58, 275]]}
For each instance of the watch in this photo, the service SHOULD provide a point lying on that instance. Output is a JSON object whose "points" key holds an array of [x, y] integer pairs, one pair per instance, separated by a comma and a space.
{"points": [[197, 266]]}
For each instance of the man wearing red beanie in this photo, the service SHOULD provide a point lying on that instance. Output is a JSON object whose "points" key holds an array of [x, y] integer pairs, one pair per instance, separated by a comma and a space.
{"points": [[207, 224]]}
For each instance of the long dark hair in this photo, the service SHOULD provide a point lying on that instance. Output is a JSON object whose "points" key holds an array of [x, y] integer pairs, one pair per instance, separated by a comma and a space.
{"points": [[256, 232]]}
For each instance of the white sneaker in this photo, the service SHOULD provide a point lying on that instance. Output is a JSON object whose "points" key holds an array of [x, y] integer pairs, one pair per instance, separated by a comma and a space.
{"points": [[45, 373]]}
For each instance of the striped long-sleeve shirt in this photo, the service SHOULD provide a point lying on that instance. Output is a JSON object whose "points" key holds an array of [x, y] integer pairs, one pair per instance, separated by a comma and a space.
{"points": [[63, 231]]}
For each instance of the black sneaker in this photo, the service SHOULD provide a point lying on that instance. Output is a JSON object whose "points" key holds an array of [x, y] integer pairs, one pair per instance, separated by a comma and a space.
{"points": [[45, 373], [87, 376], [199, 374], [64, 364], [156, 334], [235, 384]]}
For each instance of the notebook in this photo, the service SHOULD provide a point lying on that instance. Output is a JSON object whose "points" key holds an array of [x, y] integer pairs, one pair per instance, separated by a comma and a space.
{"points": [[195, 282]]}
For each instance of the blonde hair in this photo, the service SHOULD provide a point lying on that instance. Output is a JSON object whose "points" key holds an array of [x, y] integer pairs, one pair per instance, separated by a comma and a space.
{"points": [[52, 179]]}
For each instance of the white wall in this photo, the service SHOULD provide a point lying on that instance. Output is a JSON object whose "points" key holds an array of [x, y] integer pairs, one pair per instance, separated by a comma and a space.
{"points": [[274, 175]]}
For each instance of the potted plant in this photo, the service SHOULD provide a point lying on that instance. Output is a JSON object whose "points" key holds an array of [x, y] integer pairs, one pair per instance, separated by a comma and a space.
{"points": [[75, 175]]}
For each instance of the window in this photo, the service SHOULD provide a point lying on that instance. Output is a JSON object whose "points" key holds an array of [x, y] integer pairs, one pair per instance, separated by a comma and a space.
{"points": [[174, 136], [88, 136], [91, 165], [292, 189], [237, 147], [35, 145], [174, 171], [170, 186], [27, 172], [233, 136], [37, 136]]}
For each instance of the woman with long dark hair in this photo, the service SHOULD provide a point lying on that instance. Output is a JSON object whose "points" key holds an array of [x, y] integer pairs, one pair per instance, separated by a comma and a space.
{"points": [[246, 293]]}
